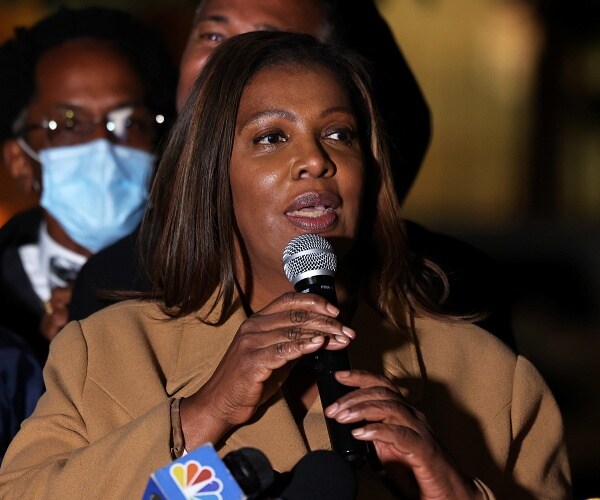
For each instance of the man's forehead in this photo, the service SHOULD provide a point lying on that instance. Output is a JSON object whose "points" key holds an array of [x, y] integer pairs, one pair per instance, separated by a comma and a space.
{"points": [[286, 15]]}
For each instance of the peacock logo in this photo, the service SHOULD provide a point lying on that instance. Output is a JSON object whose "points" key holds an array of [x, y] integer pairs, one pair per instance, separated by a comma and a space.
{"points": [[196, 481]]}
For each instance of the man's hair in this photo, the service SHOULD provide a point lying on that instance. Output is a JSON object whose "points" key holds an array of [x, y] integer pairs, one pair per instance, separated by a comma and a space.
{"points": [[188, 233], [141, 45]]}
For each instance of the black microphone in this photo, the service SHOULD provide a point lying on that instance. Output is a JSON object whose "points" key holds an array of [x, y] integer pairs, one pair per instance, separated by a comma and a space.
{"points": [[319, 475], [242, 474], [310, 265], [251, 469]]}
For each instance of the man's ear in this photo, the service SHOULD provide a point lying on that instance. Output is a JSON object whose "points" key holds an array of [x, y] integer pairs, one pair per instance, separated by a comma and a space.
{"points": [[20, 166]]}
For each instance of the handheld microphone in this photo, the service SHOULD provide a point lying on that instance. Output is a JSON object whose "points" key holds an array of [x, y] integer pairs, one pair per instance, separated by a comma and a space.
{"points": [[241, 474], [310, 265], [319, 475]]}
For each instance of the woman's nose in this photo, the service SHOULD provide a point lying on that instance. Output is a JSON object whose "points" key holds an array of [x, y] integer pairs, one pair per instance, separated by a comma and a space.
{"points": [[312, 161]]}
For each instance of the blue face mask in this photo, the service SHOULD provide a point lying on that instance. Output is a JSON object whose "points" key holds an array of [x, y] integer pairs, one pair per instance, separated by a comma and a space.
{"points": [[97, 191]]}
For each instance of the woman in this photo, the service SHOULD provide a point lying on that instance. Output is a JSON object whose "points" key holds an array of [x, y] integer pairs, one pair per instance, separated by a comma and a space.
{"points": [[279, 138]]}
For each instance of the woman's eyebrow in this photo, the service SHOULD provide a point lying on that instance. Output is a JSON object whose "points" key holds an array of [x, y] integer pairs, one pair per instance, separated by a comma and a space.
{"points": [[269, 113], [282, 113]]}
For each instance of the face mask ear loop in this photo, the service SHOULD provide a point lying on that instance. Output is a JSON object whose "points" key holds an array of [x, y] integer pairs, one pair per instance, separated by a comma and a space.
{"points": [[28, 150]]}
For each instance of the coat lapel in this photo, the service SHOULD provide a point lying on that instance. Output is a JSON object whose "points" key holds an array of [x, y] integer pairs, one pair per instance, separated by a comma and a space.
{"points": [[272, 430], [380, 348], [201, 348]]}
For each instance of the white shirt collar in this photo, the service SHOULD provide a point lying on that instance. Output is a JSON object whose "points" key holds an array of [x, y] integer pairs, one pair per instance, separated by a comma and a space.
{"points": [[36, 261]]}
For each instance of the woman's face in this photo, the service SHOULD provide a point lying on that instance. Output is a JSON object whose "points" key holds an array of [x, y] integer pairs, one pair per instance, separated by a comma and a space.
{"points": [[297, 166]]}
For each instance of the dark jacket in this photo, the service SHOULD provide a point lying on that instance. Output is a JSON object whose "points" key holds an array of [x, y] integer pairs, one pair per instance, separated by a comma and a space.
{"points": [[21, 385], [21, 309]]}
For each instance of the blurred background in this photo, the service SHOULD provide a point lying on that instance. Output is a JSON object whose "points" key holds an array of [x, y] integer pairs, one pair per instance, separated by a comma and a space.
{"points": [[513, 167]]}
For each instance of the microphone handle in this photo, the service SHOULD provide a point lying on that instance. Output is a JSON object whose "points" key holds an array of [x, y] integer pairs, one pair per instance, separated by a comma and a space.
{"points": [[330, 390]]}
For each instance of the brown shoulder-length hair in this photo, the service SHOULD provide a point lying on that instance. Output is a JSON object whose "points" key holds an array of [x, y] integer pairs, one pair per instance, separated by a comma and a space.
{"points": [[188, 231]]}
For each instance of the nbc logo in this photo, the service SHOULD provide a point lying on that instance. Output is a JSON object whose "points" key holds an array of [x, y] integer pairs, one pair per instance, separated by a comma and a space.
{"points": [[196, 481]]}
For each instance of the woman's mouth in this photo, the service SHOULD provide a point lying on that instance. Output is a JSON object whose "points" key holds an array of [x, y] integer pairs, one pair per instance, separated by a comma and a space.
{"points": [[314, 212]]}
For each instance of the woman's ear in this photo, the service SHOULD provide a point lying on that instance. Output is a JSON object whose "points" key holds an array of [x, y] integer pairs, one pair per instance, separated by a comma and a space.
{"points": [[20, 166]]}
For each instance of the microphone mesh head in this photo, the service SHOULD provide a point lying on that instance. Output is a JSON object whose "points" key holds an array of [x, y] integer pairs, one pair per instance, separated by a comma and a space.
{"points": [[306, 253]]}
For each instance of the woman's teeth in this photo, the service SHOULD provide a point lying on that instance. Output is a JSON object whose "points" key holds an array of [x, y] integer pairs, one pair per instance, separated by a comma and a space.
{"points": [[312, 212]]}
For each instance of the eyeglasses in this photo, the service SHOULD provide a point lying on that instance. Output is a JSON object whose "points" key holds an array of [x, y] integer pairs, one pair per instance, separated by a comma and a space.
{"points": [[129, 125]]}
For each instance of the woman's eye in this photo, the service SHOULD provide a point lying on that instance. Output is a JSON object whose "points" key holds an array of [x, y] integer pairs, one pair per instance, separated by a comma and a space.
{"points": [[273, 138], [344, 135]]}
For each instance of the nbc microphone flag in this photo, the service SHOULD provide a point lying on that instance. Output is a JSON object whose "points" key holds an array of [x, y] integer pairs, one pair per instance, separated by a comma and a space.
{"points": [[199, 475]]}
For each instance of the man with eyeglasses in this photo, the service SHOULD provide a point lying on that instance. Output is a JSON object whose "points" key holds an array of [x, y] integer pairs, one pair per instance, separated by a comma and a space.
{"points": [[85, 96]]}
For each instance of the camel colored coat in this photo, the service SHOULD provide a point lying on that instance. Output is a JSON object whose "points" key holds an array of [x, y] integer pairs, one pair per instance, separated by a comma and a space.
{"points": [[103, 425]]}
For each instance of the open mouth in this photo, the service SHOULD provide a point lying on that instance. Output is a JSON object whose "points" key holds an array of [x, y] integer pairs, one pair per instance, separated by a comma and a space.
{"points": [[311, 212], [314, 212]]}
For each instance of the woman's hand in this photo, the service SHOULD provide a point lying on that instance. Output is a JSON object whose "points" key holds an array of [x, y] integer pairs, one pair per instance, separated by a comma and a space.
{"points": [[402, 438], [258, 361]]}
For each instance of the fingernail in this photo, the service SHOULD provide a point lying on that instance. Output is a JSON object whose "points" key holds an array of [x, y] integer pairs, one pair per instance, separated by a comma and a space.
{"points": [[331, 409], [342, 339], [343, 416], [343, 373], [358, 432], [317, 340], [332, 309], [349, 332]]}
